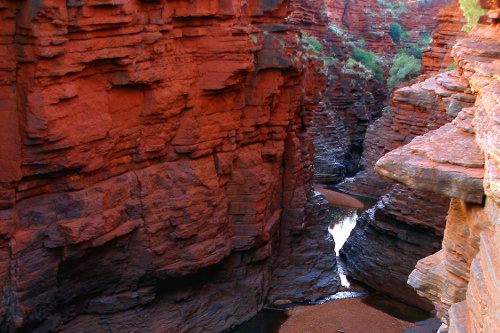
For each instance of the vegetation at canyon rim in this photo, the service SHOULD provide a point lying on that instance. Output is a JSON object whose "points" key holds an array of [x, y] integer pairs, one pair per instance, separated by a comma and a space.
{"points": [[368, 58], [314, 48], [384, 66], [396, 31]]}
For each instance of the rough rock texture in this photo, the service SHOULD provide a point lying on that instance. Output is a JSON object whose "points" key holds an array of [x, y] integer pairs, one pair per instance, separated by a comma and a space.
{"points": [[443, 277], [462, 279], [371, 20], [145, 149], [413, 111], [389, 239], [445, 161], [354, 98], [438, 56], [417, 109]]}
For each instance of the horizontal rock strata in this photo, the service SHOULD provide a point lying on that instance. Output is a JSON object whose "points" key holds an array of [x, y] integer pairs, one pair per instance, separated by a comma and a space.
{"points": [[413, 111], [389, 239], [144, 151], [461, 279], [449, 29], [445, 161]]}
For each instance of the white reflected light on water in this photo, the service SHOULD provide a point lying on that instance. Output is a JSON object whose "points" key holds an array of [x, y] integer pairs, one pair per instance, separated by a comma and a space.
{"points": [[341, 230], [343, 221]]}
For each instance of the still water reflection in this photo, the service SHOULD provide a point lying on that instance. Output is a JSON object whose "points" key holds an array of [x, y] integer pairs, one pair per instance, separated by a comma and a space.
{"points": [[343, 221]]}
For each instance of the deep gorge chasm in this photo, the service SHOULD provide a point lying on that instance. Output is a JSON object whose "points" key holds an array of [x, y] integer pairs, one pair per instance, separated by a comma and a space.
{"points": [[157, 161]]}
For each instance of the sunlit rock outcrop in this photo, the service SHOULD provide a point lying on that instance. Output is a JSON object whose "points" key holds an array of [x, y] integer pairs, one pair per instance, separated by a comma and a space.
{"points": [[462, 279], [413, 111], [445, 161], [438, 56]]}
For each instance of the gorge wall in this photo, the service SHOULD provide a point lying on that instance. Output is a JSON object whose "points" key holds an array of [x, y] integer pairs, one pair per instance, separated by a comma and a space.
{"points": [[406, 225], [355, 94], [460, 160], [156, 166]]}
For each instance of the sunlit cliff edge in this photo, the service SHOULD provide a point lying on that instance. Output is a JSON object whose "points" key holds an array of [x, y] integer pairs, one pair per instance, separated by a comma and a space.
{"points": [[461, 160]]}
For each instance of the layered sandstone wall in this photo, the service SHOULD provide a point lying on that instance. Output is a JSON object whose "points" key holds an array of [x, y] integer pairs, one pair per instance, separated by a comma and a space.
{"points": [[413, 111], [354, 98], [460, 160], [417, 109], [388, 240], [449, 29], [146, 152]]}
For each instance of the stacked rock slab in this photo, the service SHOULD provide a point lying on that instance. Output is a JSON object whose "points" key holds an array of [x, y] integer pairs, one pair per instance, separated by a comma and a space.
{"points": [[461, 160], [390, 238], [145, 145], [422, 107], [413, 111], [451, 20]]}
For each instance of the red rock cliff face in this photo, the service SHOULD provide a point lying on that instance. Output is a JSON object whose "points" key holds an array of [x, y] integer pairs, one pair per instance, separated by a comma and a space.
{"points": [[354, 98], [371, 20], [145, 146], [438, 56]]}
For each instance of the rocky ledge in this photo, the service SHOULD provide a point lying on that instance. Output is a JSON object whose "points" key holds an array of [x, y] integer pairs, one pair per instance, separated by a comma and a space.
{"points": [[462, 279], [446, 161], [389, 239]]}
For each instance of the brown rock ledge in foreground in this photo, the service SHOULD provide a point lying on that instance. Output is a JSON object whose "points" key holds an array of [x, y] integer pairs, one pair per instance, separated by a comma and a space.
{"points": [[446, 161]]}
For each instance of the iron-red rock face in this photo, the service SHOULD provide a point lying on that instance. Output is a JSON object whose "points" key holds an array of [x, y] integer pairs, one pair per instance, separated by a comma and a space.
{"points": [[144, 151]]}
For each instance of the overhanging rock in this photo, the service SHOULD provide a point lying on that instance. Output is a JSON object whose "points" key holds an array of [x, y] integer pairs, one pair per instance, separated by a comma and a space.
{"points": [[446, 161]]}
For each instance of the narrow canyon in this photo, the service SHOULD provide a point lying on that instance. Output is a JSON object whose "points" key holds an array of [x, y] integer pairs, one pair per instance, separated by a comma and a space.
{"points": [[160, 160]]}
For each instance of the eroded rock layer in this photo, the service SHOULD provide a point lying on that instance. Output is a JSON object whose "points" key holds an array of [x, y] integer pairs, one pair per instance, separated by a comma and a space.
{"points": [[413, 111], [389, 239], [438, 56], [355, 96], [146, 150], [462, 279]]}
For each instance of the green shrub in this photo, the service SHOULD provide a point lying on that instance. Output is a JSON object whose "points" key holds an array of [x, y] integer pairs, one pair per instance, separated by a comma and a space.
{"points": [[367, 58], [451, 66], [472, 12], [404, 67], [339, 31], [425, 39], [313, 43], [362, 56], [418, 53], [378, 71], [396, 31]]}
